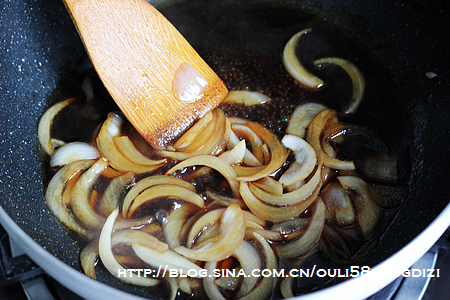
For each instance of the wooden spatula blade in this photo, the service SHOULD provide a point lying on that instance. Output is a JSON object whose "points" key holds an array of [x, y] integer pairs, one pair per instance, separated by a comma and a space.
{"points": [[155, 76]]}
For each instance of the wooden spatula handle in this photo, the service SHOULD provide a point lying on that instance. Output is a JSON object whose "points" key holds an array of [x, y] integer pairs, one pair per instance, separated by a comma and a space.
{"points": [[139, 55]]}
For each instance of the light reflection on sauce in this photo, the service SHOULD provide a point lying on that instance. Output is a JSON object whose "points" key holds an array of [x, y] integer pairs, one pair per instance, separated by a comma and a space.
{"points": [[188, 84]]}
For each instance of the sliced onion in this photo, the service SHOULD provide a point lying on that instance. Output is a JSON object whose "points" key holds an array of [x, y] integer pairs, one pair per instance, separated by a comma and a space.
{"points": [[338, 204], [222, 199], [368, 214], [148, 182], [274, 213], [108, 259], [293, 66], [292, 228], [248, 134], [278, 152], [231, 235], [235, 155], [163, 190], [72, 152], [114, 192], [45, 124], [356, 77], [213, 162], [305, 160], [265, 286], [175, 221], [169, 258], [269, 185], [302, 117], [55, 189], [190, 135], [211, 289], [89, 258], [311, 237], [201, 224], [127, 148], [247, 98], [250, 260], [296, 196], [81, 195], [138, 237], [249, 159]]}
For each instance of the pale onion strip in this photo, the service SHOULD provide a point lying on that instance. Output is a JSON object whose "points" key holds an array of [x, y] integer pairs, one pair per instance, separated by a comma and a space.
{"points": [[265, 286], [338, 204], [270, 235], [356, 76], [235, 155], [207, 234], [250, 217], [173, 284], [250, 260], [278, 152], [367, 212], [127, 148], [114, 193], [205, 135], [223, 143], [45, 126], [150, 181], [244, 97], [138, 237], [175, 221], [286, 287], [105, 143], [269, 185], [201, 224], [88, 258], [273, 213], [211, 289], [310, 238], [147, 224], [169, 258], [72, 152], [231, 235], [163, 190], [293, 66], [193, 132], [302, 117], [81, 195], [213, 162], [54, 192], [305, 160], [248, 134], [289, 198], [108, 259], [249, 159]]}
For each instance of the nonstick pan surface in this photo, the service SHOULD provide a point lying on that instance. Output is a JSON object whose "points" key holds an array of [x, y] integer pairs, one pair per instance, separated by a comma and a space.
{"points": [[42, 54]]}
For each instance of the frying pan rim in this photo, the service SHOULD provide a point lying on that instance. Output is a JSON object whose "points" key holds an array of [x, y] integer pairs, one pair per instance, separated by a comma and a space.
{"points": [[361, 287]]}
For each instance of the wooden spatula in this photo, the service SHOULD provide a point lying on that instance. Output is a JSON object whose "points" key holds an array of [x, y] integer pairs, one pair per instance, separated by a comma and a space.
{"points": [[157, 79]]}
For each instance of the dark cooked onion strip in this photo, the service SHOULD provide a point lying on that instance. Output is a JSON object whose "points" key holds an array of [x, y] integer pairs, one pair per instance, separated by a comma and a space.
{"points": [[310, 238], [81, 195], [54, 192], [89, 258], [114, 192]]}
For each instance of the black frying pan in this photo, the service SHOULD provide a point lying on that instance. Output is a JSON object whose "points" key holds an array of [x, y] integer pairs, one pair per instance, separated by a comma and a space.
{"points": [[42, 59]]}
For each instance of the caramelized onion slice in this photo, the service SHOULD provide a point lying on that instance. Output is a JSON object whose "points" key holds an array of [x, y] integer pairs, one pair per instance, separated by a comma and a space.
{"points": [[269, 185], [231, 235], [249, 159], [274, 213], [45, 125], [54, 192], [138, 237], [108, 259], [293, 66], [356, 77], [190, 135], [250, 260], [311, 237], [244, 97], [163, 190], [278, 152], [114, 193], [169, 258], [203, 223], [88, 258], [305, 160], [129, 151], [213, 162], [107, 148], [81, 195], [72, 152], [302, 117], [368, 214], [175, 221]]}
